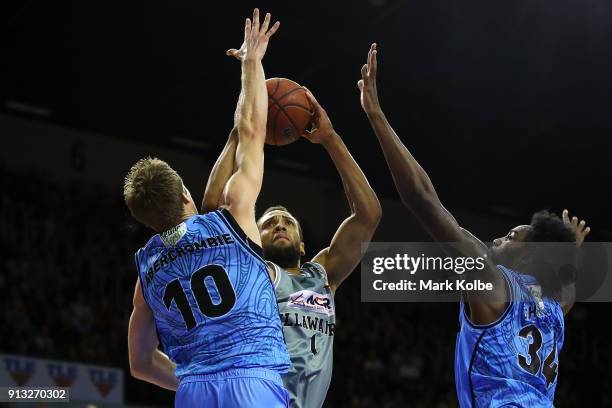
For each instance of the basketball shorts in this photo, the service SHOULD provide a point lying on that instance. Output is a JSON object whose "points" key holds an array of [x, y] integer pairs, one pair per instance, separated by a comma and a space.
{"points": [[253, 388]]}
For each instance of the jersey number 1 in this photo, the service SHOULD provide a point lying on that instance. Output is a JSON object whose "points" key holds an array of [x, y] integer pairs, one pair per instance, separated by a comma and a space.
{"points": [[174, 291]]}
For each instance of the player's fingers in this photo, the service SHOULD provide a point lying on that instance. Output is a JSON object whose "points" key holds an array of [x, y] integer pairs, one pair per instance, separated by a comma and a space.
{"points": [[247, 28], [231, 52], [565, 216], [364, 71], [266, 23], [371, 55], [317, 110], [374, 65], [581, 225], [256, 20], [272, 30], [586, 231], [575, 221], [312, 99], [360, 84]]}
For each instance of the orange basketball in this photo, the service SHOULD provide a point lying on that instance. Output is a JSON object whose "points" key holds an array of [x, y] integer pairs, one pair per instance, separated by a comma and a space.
{"points": [[289, 111]]}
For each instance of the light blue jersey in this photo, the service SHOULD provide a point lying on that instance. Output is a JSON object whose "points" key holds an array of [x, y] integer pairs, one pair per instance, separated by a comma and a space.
{"points": [[514, 361], [212, 298]]}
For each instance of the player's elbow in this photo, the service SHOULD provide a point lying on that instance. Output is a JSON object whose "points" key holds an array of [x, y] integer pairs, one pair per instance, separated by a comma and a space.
{"points": [[136, 371], [420, 201], [375, 213], [371, 215], [139, 367]]}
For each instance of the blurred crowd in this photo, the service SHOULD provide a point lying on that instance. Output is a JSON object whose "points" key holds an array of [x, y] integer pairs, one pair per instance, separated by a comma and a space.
{"points": [[68, 277]]}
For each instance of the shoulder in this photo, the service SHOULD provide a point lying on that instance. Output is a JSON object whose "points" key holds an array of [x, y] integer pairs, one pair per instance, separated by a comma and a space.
{"points": [[315, 269]]}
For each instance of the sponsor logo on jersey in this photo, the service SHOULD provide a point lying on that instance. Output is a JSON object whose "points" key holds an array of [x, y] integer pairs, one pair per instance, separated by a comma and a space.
{"points": [[310, 301], [173, 235]]}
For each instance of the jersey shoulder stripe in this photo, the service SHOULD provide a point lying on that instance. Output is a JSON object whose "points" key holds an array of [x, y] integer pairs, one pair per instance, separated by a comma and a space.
{"points": [[240, 235]]}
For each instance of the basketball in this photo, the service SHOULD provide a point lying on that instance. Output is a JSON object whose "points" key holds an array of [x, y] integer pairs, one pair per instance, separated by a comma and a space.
{"points": [[289, 111]]}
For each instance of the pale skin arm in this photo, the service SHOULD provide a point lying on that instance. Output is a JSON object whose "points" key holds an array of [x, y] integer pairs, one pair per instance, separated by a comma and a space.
{"points": [[418, 194], [243, 187], [344, 252], [220, 174], [147, 363]]}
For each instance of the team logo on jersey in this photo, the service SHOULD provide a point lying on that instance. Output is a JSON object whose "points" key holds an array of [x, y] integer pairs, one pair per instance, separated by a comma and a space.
{"points": [[173, 235], [536, 292], [312, 302], [62, 375], [20, 370], [104, 381]]}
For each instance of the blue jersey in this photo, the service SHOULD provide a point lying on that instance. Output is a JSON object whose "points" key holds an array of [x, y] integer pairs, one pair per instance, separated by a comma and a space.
{"points": [[514, 361], [212, 298]]}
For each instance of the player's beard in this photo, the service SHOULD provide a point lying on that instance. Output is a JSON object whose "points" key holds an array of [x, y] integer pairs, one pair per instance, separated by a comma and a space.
{"points": [[285, 257]]}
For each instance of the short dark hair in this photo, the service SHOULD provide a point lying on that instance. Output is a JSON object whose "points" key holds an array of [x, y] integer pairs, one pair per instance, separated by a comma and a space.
{"points": [[548, 227], [554, 266], [282, 208]]}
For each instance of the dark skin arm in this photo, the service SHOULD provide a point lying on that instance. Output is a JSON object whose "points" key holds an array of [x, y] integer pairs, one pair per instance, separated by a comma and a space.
{"points": [[344, 252], [568, 295], [419, 195]]}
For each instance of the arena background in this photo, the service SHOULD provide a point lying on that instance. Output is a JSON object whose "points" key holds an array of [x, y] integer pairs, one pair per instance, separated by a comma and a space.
{"points": [[507, 106]]}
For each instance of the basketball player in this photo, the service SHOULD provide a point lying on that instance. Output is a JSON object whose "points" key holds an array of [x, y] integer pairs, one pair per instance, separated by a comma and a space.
{"points": [[305, 292], [203, 288], [507, 351]]}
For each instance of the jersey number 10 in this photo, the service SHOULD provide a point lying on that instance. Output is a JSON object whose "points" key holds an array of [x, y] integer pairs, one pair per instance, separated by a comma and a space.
{"points": [[174, 291]]}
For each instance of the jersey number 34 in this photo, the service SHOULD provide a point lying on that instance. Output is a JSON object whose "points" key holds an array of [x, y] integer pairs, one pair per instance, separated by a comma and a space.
{"points": [[550, 367]]}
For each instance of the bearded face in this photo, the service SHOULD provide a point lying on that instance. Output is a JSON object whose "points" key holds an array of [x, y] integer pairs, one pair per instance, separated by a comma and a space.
{"points": [[281, 238]]}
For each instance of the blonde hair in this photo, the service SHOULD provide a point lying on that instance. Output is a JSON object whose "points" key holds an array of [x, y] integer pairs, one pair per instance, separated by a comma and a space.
{"points": [[153, 192]]}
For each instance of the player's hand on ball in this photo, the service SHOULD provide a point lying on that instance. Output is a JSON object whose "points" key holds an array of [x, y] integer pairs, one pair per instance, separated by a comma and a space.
{"points": [[367, 83], [322, 129], [256, 38], [580, 228]]}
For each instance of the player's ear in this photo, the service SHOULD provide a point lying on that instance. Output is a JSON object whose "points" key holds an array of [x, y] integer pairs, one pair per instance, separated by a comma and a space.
{"points": [[186, 195], [302, 251]]}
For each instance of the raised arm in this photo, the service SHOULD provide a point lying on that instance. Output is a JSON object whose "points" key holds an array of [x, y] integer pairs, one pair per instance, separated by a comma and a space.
{"points": [[243, 187], [147, 363], [568, 292], [408, 176], [418, 194], [220, 174], [344, 252]]}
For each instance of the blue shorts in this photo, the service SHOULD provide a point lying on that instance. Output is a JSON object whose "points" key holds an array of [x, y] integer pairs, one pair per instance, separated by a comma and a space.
{"points": [[256, 388]]}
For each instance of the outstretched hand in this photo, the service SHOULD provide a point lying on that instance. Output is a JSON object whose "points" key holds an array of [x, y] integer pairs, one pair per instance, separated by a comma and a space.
{"points": [[367, 83], [579, 228], [256, 38]]}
